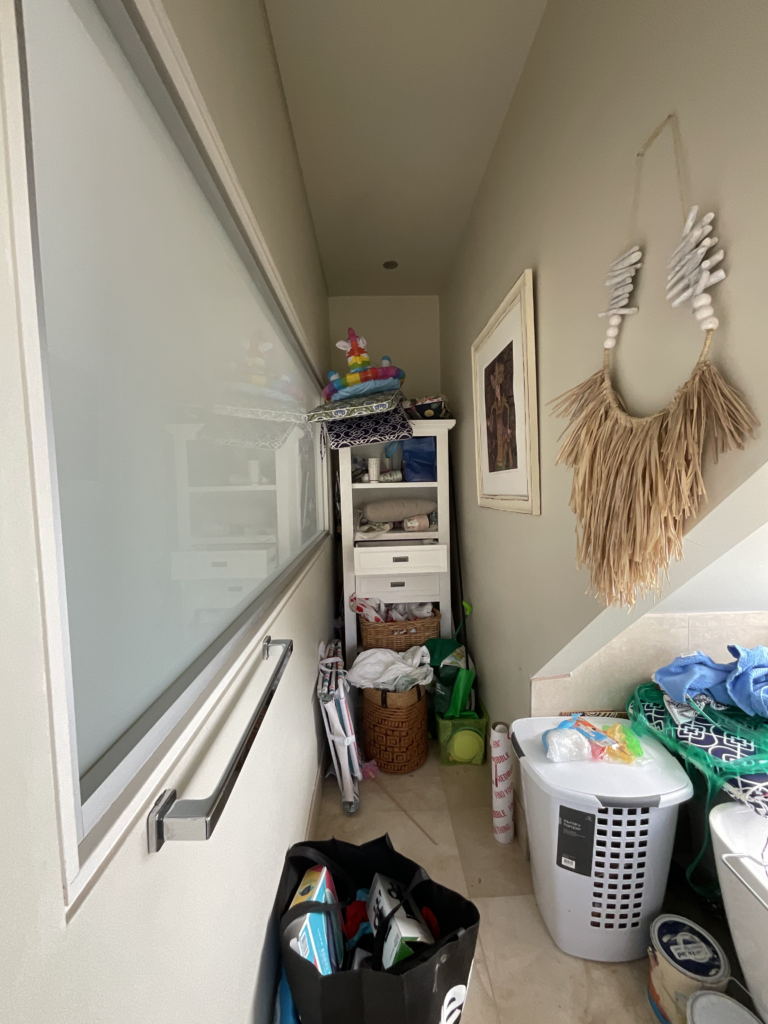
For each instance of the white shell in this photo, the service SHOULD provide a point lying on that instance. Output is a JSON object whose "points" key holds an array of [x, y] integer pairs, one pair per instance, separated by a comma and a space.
{"points": [[710, 324], [716, 278], [621, 278], [690, 220], [609, 343], [622, 300], [703, 313], [701, 300], [683, 297], [627, 261], [614, 320], [703, 282], [621, 312], [617, 262], [713, 260], [612, 332]]}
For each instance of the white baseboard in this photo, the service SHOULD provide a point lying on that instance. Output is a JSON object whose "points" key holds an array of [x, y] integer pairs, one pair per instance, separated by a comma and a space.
{"points": [[317, 793]]}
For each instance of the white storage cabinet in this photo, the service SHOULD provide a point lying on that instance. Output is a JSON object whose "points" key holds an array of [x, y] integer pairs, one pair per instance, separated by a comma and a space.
{"points": [[601, 838], [399, 566]]}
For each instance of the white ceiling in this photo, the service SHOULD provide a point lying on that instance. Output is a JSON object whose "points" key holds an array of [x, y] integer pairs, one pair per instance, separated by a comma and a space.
{"points": [[396, 106]]}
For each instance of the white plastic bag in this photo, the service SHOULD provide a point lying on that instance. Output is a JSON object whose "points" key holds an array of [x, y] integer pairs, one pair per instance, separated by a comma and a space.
{"points": [[391, 670]]}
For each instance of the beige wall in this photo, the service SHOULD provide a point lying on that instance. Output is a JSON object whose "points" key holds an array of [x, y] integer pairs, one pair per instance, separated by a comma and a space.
{"points": [[229, 49], [404, 327], [556, 197]]}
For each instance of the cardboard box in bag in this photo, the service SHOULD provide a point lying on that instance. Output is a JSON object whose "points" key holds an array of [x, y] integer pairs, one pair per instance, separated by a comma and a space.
{"points": [[407, 929]]}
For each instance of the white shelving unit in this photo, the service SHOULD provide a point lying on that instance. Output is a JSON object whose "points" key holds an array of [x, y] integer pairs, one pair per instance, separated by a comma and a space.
{"points": [[219, 571], [400, 566]]}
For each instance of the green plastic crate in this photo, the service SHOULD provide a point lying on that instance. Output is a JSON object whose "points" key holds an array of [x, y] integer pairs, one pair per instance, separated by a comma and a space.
{"points": [[462, 740]]}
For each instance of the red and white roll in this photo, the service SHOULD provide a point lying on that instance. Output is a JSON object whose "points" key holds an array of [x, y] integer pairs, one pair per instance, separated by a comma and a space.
{"points": [[501, 783]]}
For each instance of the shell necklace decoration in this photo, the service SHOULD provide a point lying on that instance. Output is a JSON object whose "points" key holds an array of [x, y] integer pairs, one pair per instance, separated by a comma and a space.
{"points": [[636, 480]]}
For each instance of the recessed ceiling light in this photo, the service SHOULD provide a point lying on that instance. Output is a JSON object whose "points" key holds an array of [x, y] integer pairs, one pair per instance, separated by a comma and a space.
{"points": [[390, 265]]}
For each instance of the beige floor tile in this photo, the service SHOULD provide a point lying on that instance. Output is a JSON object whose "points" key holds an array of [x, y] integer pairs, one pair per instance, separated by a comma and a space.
{"points": [[533, 980], [466, 784], [480, 1007], [490, 868], [425, 837]]}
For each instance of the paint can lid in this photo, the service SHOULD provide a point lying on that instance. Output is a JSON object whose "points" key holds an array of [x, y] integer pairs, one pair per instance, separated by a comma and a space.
{"points": [[715, 1008], [690, 949]]}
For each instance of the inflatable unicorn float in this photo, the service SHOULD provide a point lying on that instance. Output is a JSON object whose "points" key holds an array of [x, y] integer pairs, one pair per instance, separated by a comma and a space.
{"points": [[362, 378]]}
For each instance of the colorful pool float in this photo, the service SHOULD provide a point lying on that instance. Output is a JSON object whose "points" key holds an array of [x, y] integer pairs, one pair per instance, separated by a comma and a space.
{"points": [[363, 378]]}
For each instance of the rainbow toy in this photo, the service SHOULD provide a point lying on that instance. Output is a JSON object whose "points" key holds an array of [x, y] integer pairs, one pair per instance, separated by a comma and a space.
{"points": [[363, 378]]}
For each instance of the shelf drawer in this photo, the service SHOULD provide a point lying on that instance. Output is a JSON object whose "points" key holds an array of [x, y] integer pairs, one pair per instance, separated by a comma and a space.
{"points": [[218, 565], [394, 589], [401, 559]]}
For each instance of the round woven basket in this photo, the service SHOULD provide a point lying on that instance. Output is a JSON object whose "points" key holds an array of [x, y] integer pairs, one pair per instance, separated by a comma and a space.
{"points": [[395, 729], [399, 636]]}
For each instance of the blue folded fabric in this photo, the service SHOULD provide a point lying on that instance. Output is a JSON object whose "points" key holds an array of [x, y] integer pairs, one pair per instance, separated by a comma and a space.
{"points": [[743, 683]]}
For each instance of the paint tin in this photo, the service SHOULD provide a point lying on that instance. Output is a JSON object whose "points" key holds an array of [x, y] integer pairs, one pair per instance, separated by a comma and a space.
{"points": [[714, 1008], [684, 959]]}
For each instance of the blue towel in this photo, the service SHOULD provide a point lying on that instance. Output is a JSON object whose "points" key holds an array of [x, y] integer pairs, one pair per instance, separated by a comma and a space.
{"points": [[743, 683]]}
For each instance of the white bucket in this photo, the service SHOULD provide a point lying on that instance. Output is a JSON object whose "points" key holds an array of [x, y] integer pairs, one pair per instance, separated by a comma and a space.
{"points": [[684, 959]]}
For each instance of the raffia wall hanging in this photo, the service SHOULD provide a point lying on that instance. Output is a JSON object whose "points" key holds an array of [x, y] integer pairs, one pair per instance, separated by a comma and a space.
{"points": [[636, 480]]}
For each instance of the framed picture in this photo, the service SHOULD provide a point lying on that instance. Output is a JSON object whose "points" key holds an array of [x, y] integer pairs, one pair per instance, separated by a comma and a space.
{"points": [[506, 410]]}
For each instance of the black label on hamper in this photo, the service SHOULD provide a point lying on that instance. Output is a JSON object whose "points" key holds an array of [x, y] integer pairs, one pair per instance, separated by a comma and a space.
{"points": [[575, 840]]}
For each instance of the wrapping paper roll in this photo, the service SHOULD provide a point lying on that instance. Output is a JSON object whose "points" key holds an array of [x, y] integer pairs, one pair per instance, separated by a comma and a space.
{"points": [[501, 783]]}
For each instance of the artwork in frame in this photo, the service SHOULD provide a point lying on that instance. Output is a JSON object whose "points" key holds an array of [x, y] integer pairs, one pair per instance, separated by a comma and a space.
{"points": [[506, 408]]}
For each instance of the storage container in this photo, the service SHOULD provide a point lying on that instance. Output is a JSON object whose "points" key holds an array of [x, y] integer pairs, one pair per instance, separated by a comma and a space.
{"points": [[399, 636], [462, 740], [601, 839], [395, 729]]}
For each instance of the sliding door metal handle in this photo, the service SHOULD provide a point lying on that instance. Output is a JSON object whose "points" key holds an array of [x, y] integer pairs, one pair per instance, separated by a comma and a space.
{"points": [[196, 819]]}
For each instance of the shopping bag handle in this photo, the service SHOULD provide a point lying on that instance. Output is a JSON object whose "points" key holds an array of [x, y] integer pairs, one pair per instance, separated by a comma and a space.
{"points": [[310, 853]]}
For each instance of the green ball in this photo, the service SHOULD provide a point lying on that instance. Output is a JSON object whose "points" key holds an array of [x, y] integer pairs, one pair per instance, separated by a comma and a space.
{"points": [[465, 745]]}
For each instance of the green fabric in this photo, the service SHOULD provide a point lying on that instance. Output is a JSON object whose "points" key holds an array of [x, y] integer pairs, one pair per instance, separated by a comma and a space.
{"points": [[460, 695], [712, 773], [445, 679]]}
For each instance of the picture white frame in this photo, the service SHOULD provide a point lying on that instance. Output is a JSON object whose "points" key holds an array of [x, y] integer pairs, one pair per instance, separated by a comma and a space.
{"points": [[510, 330]]}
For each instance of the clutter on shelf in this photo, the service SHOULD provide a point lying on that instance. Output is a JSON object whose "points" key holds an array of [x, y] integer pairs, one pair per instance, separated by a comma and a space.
{"points": [[385, 669], [577, 739], [432, 407], [363, 378], [366, 936], [332, 694], [374, 610], [367, 419]]}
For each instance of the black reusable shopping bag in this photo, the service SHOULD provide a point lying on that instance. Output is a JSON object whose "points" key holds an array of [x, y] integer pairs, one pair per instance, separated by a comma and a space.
{"points": [[426, 988]]}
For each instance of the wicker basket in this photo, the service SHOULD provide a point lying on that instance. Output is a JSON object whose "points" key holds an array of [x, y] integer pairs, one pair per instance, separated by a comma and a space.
{"points": [[395, 729], [399, 636]]}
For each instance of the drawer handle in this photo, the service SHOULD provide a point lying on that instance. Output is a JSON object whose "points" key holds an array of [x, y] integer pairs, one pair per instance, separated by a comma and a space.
{"points": [[400, 558], [219, 565], [397, 584]]}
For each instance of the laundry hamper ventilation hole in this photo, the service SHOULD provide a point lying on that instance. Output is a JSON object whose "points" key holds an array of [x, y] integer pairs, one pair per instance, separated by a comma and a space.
{"points": [[621, 846]]}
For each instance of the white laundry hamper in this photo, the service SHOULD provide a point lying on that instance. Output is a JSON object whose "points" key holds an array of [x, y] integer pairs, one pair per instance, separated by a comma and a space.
{"points": [[601, 838]]}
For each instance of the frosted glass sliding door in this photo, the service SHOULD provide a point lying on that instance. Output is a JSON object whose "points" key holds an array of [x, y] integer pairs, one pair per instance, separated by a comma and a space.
{"points": [[187, 477]]}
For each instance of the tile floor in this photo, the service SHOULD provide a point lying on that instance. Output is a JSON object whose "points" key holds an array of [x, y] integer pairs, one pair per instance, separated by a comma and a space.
{"points": [[441, 818]]}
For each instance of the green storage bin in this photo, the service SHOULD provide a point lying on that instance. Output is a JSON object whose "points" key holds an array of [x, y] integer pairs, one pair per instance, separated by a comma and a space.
{"points": [[462, 740]]}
